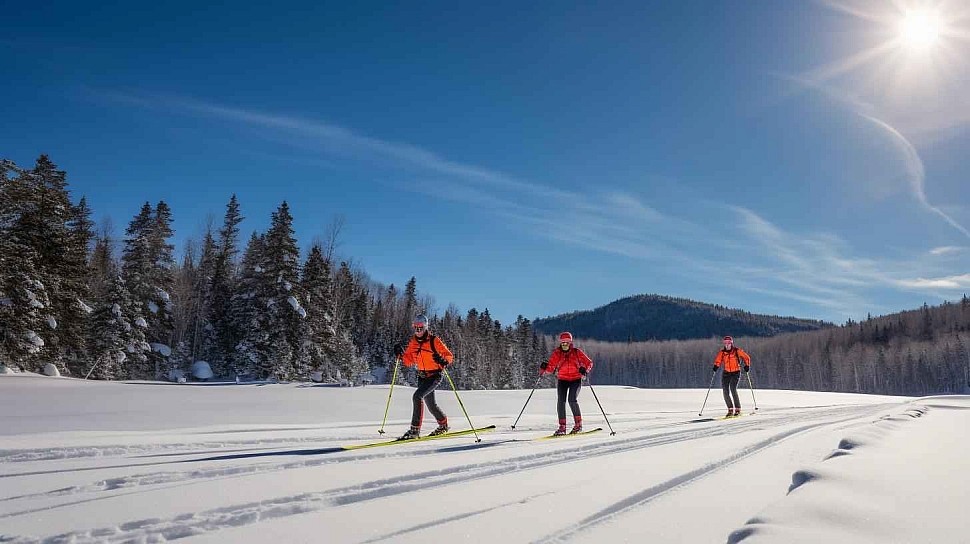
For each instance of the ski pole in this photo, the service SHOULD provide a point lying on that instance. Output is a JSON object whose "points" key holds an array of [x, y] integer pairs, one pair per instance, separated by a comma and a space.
{"points": [[397, 361], [539, 377], [752, 391], [455, 389], [708, 392], [590, 384]]}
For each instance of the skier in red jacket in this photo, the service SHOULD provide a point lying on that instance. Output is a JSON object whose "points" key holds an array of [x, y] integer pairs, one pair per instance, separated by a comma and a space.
{"points": [[571, 364]]}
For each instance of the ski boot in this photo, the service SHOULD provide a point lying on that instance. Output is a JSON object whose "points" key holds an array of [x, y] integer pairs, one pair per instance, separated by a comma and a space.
{"points": [[578, 426], [561, 431], [730, 412], [442, 429], [413, 432]]}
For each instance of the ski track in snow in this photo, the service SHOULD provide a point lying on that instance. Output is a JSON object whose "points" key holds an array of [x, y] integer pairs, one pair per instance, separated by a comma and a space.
{"points": [[244, 514]]}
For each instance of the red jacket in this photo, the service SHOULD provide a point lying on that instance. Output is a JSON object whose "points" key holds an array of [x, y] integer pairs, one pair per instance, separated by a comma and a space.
{"points": [[731, 359], [567, 363]]}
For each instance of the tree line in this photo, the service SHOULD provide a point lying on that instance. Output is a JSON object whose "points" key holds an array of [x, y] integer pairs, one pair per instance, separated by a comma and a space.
{"points": [[258, 310], [918, 352]]}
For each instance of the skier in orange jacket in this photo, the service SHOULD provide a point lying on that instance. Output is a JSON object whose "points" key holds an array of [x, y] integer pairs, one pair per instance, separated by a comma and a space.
{"points": [[732, 358], [427, 352]]}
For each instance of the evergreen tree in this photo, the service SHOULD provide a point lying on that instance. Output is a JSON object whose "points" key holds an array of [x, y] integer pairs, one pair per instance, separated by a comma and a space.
{"points": [[76, 282], [99, 267], [224, 336], [251, 354], [281, 287], [42, 221], [203, 340], [148, 271], [318, 337], [117, 336]]}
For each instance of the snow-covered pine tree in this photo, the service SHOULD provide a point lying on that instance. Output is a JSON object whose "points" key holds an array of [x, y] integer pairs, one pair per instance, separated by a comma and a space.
{"points": [[318, 337], [136, 270], [248, 313], [116, 343], [76, 282], [281, 286], [24, 307], [223, 336], [161, 323], [43, 223], [148, 270]]}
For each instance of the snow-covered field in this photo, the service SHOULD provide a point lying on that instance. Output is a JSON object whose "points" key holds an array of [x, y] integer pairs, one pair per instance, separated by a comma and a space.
{"points": [[114, 462]]}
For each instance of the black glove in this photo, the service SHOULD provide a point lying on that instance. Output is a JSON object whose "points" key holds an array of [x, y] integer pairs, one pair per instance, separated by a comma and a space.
{"points": [[543, 366], [440, 360], [398, 350], [582, 370], [747, 368], [715, 368]]}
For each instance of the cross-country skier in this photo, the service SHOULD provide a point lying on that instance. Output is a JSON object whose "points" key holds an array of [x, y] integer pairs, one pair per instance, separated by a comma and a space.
{"points": [[571, 364], [431, 356], [732, 358]]}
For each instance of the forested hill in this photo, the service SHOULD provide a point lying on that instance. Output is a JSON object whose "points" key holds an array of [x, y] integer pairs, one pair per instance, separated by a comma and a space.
{"points": [[655, 317]]}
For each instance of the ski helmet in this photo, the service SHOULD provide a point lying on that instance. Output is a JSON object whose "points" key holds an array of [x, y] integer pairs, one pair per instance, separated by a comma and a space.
{"points": [[728, 339], [566, 337]]}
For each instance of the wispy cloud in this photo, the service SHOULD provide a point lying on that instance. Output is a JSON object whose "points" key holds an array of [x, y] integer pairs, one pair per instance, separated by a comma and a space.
{"points": [[946, 250], [948, 282], [915, 171]]}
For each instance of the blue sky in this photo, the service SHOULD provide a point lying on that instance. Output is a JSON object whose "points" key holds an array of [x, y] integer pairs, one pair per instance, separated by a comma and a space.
{"points": [[781, 157]]}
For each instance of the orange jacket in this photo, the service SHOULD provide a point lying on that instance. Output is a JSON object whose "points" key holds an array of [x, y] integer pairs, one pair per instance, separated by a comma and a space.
{"points": [[730, 359], [568, 363], [419, 352]]}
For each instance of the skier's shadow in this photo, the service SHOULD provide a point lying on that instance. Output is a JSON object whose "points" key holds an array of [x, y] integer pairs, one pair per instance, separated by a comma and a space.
{"points": [[327, 451]]}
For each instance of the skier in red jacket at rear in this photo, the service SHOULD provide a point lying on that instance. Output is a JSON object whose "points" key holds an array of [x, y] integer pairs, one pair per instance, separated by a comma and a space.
{"points": [[571, 364]]}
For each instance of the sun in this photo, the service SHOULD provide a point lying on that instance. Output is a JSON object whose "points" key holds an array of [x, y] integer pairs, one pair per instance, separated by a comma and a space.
{"points": [[919, 30]]}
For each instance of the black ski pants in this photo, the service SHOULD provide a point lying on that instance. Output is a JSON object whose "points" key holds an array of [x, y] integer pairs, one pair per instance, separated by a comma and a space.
{"points": [[729, 383], [570, 389], [427, 382]]}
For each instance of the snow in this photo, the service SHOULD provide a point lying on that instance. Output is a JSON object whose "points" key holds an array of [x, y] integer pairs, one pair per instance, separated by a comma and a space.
{"points": [[141, 322], [84, 307], [258, 268], [51, 322], [288, 286], [163, 295], [201, 370], [34, 339], [51, 370], [4, 369], [152, 307], [161, 348], [116, 310], [226, 462], [296, 306]]}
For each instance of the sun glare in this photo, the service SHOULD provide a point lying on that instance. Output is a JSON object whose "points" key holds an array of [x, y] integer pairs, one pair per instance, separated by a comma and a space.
{"points": [[920, 30]]}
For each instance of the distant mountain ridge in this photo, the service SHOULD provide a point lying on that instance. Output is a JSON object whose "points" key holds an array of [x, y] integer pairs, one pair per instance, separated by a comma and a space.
{"points": [[657, 317]]}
